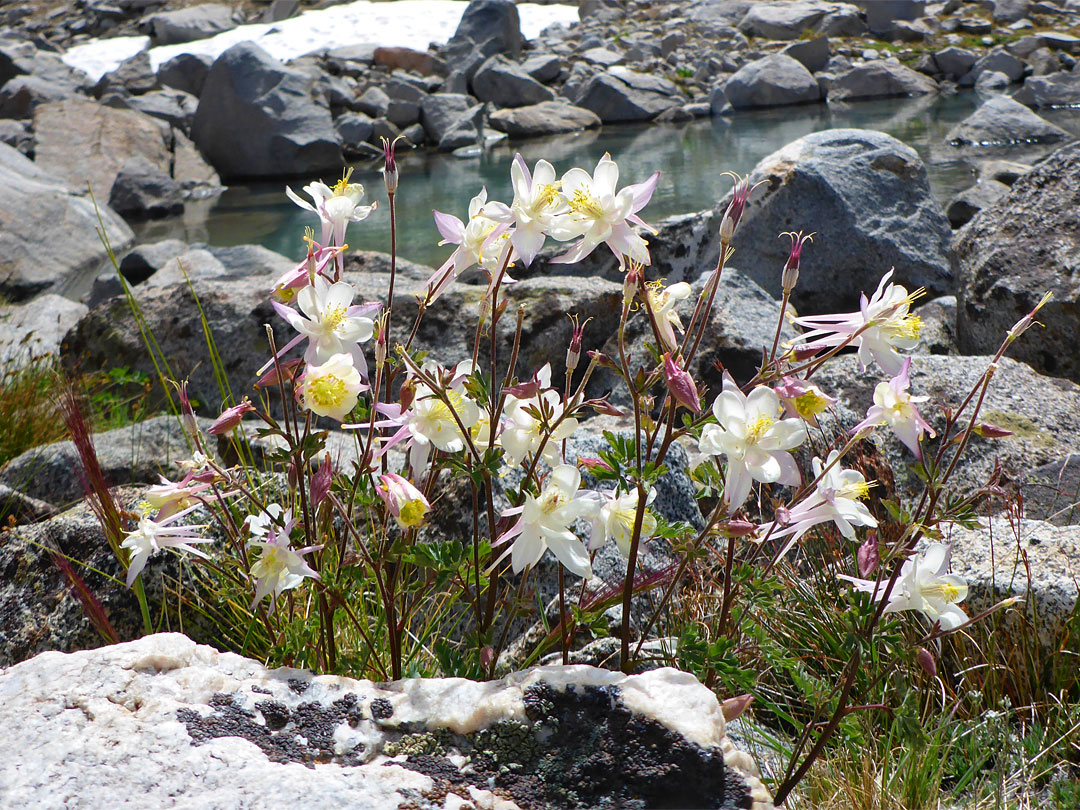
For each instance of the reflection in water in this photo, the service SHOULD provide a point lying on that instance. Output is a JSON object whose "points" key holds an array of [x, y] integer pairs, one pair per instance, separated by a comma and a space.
{"points": [[690, 157]]}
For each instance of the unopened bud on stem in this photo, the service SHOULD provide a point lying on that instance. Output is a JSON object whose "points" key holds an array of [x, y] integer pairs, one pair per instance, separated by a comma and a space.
{"points": [[790, 276]]}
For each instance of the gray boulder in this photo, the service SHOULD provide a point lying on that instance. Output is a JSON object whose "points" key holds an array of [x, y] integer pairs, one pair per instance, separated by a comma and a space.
{"points": [[36, 328], [1055, 90], [991, 83], [34, 205], [812, 54], [867, 197], [439, 112], [971, 201], [881, 15], [543, 67], [142, 191], [954, 62], [21, 96], [507, 84], [789, 20], [997, 60], [133, 75], [1002, 121], [772, 81], [546, 118], [189, 24], [879, 79], [354, 128], [627, 96], [17, 134], [491, 26], [186, 72], [175, 107], [1012, 253], [138, 453], [257, 118], [374, 102]]}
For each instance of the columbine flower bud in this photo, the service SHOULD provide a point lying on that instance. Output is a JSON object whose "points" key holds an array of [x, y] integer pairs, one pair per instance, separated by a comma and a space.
{"points": [[187, 413], [406, 503], [1025, 323], [738, 528], [926, 661], [739, 196], [390, 168], [790, 276], [989, 431], [868, 555], [231, 417], [382, 340], [681, 385], [803, 399], [631, 283], [573, 353], [320, 482], [594, 465], [734, 707]]}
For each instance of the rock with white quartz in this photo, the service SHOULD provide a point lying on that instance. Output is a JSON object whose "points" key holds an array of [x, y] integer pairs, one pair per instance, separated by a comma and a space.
{"points": [[165, 722]]}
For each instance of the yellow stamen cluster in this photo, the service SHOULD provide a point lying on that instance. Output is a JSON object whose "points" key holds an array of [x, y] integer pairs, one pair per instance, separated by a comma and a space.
{"points": [[757, 428], [327, 391], [549, 192], [944, 590], [412, 513], [810, 404], [584, 203], [341, 187], [859, 490], [906, 328], [333, 317], [551, 500]]}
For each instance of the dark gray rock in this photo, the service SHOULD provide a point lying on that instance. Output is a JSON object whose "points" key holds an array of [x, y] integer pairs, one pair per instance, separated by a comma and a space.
{"points": [[547, 118], [543, 67], [172, 106], [1056, 90], [813, 54], [1012, 253], [17, 134], [938, 332], [787, 21], [880, 79], [624, 97], [374, 102], [34, 203], [954, 62], [772, 81], [449, 120], [133, 75], [490, 25], [257, 118], [971, 201], [354, 129], [21, 96], [186, 72], [1002, 121], [997, 60], [882, 15], [142, 191], [189, 24], [506, 84]]}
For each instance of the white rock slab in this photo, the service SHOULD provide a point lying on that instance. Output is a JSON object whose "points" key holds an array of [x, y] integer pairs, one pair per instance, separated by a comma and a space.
{"points": [[164, 723]]}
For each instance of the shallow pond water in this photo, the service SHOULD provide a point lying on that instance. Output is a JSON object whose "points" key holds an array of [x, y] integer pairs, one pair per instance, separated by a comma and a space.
{"points": [[691, 157]]}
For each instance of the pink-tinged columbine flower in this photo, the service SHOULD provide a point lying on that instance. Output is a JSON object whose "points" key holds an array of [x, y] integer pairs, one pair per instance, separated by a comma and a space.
{"points": [[333, 388], [406, 503], [151, 536], [330, 322], [895, 407], [753, 438], [280, 567], [538, 208], [336, 207], [314, 264], [681, 385], [599, 214], [837, 499], [480, 241], [615, 518], [662, 303], [924, 586], [524, 434], [170, 497], [428, 421], [231, 417], [790, 277], [803, 399], [545, 523], [882, 325]]}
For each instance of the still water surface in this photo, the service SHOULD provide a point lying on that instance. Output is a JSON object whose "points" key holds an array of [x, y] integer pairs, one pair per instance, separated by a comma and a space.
{"points": [[691, 158]]}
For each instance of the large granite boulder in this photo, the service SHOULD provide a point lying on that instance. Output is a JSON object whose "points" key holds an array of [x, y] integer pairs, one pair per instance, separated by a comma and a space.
{"points": [[1013, 252], [1055, 90], [546, 738], [258, 118], [789, 20], [50, 231], [1001, 121], [490, 27], [35, 329], [546, 118], [506, 84], [771, 81], [626, 95], [879, 79], [189, 24]]}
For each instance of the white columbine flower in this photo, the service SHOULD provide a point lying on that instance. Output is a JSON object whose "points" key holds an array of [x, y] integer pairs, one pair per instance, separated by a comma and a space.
{"points": [[924, 586], [536, 211], [888, 326], [615, 520], [153, 535], [330, 321], [279, 567], [333, 388], [545, 523], [599, 214], [894, 406], [753, 438], [523, 433], [336, 207], [838, 498], [480, 241]]}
